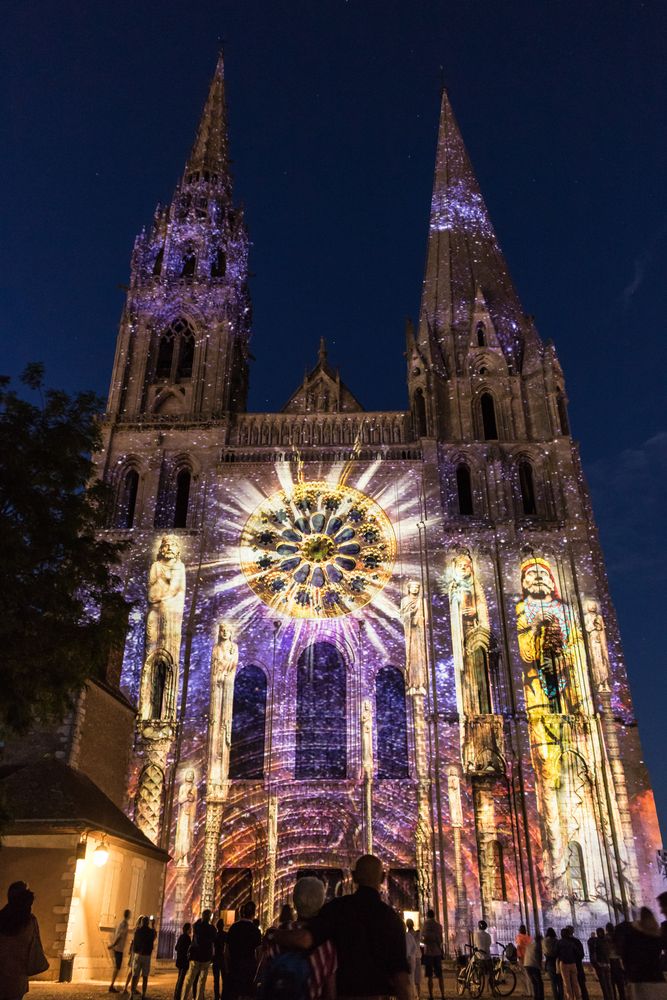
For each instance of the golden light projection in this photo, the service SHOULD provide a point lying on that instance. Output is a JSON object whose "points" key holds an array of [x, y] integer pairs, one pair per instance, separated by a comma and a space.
{"points": [[319, 551]]}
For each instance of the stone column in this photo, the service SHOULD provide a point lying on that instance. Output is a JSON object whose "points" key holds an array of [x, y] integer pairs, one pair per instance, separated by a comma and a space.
{"points": [[367, 772], [211, 846], [424, 836]]}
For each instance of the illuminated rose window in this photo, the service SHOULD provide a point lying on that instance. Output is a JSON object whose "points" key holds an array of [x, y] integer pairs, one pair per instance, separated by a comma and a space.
{"points": [[319, 552]]}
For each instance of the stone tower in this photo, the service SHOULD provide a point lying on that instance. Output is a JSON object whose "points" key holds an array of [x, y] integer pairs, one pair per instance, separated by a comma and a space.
{"points": [[356, 630]]}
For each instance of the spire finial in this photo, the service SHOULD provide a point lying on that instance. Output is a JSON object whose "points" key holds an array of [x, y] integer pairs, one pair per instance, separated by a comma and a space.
{"points": [[210, 147], [322, 353]]}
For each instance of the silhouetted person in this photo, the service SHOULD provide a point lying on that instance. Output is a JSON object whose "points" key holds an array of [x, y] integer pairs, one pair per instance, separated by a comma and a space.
{"points": [[201, 956], [433, 939], [532, 963], [182, 950], [567, 955], [602, 965], [218, 965], [21, 952], [241, 954], [117, 947], [142, 946], [616, 965], [640, 947], [549, 945]]}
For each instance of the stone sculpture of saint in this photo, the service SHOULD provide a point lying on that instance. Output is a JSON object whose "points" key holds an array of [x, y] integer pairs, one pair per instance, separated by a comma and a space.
{"points": [[414, 618], [224, 661], [166, 599], [470, 636], [185, 822], [597, 645], [367, 738]]}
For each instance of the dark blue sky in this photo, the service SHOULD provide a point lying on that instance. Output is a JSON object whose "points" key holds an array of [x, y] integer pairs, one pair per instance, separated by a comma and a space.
{"points": [[333, 115]]}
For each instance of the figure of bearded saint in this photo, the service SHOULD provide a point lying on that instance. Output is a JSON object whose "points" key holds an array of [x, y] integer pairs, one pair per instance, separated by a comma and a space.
{"points": [[166, 598], [546, 639], [224, 661]]}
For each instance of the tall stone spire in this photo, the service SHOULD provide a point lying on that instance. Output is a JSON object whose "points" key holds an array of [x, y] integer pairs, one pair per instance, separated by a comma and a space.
{"points": [[210, 150], [464, 257]]}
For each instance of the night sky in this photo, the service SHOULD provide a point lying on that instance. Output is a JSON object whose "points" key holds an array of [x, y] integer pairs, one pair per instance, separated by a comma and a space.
{"points": [[333, 115]]}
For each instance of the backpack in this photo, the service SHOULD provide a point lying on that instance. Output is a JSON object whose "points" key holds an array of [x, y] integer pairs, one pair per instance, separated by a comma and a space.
{"points": [[286, 977], [511, 953]]}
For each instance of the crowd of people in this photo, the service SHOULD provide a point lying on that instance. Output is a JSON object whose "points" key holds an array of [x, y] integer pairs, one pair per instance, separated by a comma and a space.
{"points": [[354, 947]]}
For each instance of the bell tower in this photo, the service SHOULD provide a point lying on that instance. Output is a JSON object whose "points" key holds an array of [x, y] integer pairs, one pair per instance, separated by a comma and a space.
{"points": [[182, 351]]}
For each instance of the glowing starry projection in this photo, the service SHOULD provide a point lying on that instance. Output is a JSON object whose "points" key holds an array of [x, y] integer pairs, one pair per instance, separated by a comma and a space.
{"points": [[319, 551]]}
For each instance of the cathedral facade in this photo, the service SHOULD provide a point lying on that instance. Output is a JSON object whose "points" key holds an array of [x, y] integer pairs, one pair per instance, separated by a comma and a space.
{"points": [[364, 631]]}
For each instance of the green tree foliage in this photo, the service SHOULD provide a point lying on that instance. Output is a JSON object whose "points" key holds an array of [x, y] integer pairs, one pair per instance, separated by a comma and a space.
{"points": [[61, 606]]}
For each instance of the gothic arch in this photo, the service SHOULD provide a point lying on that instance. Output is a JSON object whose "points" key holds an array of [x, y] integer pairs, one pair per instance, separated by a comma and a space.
{"points": [[248, 735], [488, 423], [321, 712], [158, 695], [174, 349], [128, 482], [391, 723]]}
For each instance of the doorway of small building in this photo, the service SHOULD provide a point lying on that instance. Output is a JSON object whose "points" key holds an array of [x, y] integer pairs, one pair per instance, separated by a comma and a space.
{"points": [[332, 878]]}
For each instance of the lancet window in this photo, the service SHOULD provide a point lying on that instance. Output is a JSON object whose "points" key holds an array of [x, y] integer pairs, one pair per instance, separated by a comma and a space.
{"points": [[420, 413], [488, 412], [527, 487], [496, 870], [321, 738], [182, 500], [481, 335], [246, 755], [127, 499], [576, 874], [391, 723], [562, 413], [464, 489], [175, 352]]}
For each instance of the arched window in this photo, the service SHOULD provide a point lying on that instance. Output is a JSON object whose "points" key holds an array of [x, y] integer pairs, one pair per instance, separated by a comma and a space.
{"points": [[464, 489], [219, 265], [321, 733], [157, 266], [496, 868], [182, 498], [480, 687], [576, 875], [562, 413], [127, 501], [391, 721], [419, 404], [488, 410], [527, 487], [246, 755], [159, 677], [189, 263], [165, 354], [481, 335], [186, 353]]}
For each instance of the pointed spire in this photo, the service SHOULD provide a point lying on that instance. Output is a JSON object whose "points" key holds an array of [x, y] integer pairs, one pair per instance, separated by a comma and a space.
{"points": [[322, 353], [210, 148], [463, 256]]}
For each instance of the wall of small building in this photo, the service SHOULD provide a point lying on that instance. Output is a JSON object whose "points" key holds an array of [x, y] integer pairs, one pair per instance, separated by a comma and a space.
{"points": [[103, 738]]}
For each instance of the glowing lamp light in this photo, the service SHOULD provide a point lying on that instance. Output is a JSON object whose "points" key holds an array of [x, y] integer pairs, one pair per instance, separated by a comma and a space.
{"points": [[101, 853]]}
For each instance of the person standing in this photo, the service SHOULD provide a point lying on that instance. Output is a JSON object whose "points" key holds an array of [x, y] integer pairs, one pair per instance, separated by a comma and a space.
{"points": [[413, 953], [410, 924], [640, 947], [567, 954], [368, 935], [532, 961], [581, 974], [242, 945], [603, 964], [433, 939], [522, 941], [117, 947], [549, 945], [142, 947], [182, 950], [218, 965], [21, 952], [616, 965], [201, 955]]}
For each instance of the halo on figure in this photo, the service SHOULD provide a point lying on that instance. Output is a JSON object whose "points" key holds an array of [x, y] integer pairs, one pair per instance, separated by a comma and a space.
{"points": [[317, 551]]}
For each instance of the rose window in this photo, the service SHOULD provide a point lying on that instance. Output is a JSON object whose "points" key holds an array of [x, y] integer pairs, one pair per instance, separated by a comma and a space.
{"points": [[319, 551]]}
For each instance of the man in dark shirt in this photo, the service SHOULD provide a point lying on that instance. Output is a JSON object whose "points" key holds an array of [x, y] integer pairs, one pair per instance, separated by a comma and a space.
{"points": [[201, 956], [368, 935], [142, 948], [241, 952]]}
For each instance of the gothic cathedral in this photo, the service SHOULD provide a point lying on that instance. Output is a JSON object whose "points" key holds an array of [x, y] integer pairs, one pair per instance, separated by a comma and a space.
{"points": [[357, 631]]}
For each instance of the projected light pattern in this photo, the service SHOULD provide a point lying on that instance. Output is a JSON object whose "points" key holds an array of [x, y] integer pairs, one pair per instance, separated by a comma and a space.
{"points": [[318, 552]]}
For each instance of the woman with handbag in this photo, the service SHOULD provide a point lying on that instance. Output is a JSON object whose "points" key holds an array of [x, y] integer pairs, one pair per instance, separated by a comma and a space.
{"points": [[21, 952]]}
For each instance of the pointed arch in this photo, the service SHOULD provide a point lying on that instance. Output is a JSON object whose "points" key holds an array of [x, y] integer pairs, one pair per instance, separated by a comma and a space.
{"points": [[174, 357], [527, 487], [576, 873], [487, 408], [561, 405], [419, 410], [127, 499], [321, 731], [165, 354], [391, 723], [495, 863], [246, 755], [464, 489], [481, 335], [182, 499]]}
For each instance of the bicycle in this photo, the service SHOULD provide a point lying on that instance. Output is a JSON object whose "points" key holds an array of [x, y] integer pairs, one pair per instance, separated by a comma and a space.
{"points": [[503, 977], [471, 977]]}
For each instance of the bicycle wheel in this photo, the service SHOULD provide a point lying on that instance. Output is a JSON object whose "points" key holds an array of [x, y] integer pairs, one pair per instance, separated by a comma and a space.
{"points": [[476, 982], [461, 982], [503, 980]]}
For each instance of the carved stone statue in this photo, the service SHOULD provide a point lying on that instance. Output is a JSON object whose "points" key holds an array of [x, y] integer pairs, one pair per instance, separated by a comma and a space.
{"points": [[367, 738], [597, 645], [414, 618], [166, 598], [454, 795], [224, 661], [185, 822], [470, 637]]}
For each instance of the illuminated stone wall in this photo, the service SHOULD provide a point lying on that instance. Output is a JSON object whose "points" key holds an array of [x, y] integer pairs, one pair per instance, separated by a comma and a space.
{"points": [[281, 563]]}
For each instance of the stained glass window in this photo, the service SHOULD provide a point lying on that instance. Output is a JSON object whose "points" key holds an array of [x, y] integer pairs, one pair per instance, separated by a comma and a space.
{"points": [[246, 757], [321, 738], [392, 730]]}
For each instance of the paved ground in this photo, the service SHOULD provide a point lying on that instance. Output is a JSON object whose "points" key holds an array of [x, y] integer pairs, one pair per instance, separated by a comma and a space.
{"points": [[161, 987]]}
